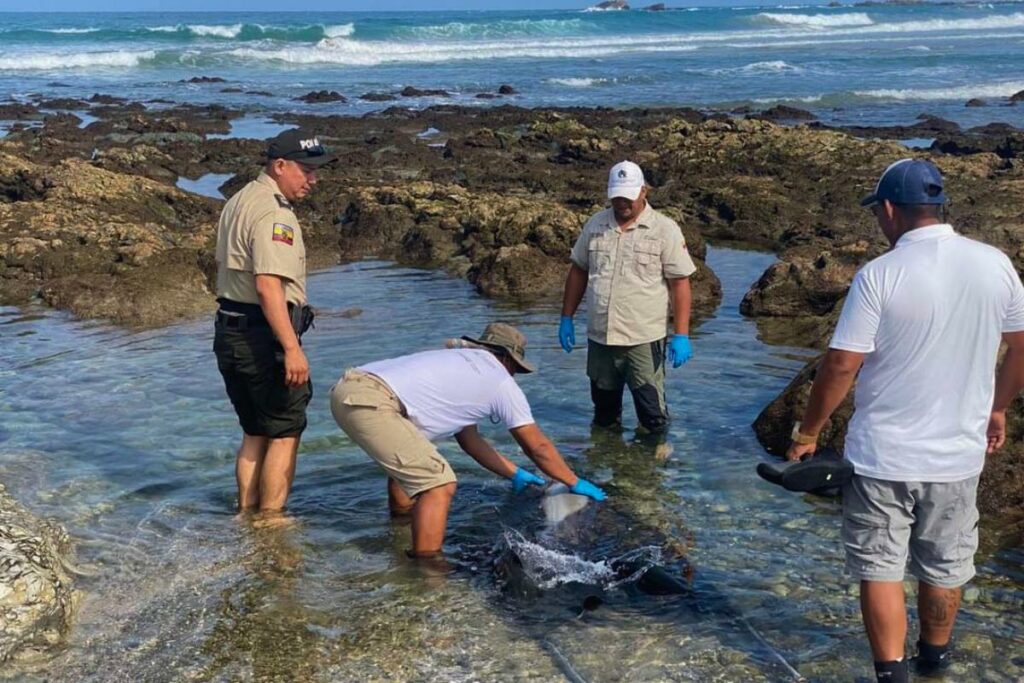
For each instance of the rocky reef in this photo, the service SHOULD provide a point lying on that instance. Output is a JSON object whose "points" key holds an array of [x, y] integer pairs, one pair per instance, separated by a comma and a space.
{"points": [[92, 222], [36, 596]]}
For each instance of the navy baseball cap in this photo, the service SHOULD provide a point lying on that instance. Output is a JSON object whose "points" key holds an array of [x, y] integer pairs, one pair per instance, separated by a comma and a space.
{"points": [[296, 145], [908, 181]]}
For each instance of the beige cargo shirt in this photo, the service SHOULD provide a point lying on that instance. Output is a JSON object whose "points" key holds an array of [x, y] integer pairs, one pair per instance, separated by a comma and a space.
{"points": [[258, 234], [627, 290]]}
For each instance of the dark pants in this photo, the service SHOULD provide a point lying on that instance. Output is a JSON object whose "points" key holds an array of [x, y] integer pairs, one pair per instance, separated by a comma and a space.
{"points": [[251, 361], [642, 369]]}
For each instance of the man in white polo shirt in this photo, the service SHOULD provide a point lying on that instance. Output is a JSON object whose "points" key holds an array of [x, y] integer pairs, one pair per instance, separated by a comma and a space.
{"points": [[394, 409], [923, 325]]}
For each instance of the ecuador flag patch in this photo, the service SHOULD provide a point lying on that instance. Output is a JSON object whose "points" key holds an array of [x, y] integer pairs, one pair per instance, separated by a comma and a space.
{"points": [[284, 233]]}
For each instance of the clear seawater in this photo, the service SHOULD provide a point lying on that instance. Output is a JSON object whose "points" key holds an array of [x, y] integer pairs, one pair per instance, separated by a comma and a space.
{"points": [[128, 439], [851, 64]]}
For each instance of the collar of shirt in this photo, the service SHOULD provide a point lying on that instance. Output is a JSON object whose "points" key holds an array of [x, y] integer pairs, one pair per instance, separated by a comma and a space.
{"points": [[927, 233], [642, 221]]}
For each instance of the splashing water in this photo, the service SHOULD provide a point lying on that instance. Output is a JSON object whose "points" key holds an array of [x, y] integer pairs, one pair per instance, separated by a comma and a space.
{"points": [[548, 567]]}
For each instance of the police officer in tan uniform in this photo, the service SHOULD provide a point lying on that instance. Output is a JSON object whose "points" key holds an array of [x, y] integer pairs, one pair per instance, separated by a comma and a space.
{"points": [[261, 289], [632, 262]]}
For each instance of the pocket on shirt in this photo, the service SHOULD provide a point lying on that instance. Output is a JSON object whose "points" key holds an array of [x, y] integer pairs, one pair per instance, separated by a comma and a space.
{"points": [[598, 254], [647, 259]]}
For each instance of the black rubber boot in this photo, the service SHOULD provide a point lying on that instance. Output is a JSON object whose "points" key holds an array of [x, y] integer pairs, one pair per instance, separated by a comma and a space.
{"points": [[932, 660], [892, 672]]}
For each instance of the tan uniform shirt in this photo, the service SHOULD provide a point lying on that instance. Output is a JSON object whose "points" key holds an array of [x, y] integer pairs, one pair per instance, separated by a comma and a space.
{"points": [[627, 291], [258, 234]]}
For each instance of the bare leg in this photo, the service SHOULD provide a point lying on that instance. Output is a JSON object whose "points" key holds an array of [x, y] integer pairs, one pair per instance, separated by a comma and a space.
{"points": [[883, 606], [937, 608], [248, 464], [429, 519], [277, 473], [398, 503]]}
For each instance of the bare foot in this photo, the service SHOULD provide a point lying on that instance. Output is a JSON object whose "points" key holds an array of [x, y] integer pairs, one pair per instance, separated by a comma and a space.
{"points": [[273, 520]]}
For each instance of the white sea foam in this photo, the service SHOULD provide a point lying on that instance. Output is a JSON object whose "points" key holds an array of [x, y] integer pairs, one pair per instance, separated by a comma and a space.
{"points": [[817, 20], [359, 53], [205, 30], [965, 92], [772, 67], [578, 82], [339, 31], [497, 29], [216, 31], [84, 60], [70, 30]]}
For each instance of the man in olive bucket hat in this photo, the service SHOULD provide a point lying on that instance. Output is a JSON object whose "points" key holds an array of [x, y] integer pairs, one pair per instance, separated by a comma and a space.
{"points": [[394, 409]]}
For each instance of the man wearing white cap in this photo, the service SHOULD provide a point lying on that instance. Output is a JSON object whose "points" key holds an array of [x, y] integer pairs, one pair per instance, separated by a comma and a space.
{"points": [[632, 262]]}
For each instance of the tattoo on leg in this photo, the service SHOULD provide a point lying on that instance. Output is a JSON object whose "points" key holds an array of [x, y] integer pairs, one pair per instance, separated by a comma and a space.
{"points": [[939, 610]]}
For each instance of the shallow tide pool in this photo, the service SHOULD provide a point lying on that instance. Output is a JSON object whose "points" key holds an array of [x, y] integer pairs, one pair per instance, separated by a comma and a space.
{"points": [[128, 439]]}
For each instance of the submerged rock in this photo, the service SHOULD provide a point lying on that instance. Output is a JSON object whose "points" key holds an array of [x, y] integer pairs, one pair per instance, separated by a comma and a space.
{"points": [[203, 79], [409, 91], [36, 596], [782, 112], [321, 96], [377, 97]]}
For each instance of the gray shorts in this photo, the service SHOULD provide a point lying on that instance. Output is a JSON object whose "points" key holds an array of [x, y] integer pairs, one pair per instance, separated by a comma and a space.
{"points": [[937, 523]]}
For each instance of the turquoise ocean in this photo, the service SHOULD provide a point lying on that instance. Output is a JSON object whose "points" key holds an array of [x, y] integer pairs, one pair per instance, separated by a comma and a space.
{"points": [[869, 64]]}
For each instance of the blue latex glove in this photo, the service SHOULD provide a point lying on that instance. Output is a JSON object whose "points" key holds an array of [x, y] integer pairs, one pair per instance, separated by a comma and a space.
{"points": [[566, 333], [679, 349], [582, 487], [523, 478]]}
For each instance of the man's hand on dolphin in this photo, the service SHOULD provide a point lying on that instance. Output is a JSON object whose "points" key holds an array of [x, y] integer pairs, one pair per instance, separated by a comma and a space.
{"points": [[523, 478], [582, 487]]}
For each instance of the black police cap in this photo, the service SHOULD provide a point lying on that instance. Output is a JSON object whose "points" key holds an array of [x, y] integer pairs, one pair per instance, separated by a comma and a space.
{"points": [[300, 146]]}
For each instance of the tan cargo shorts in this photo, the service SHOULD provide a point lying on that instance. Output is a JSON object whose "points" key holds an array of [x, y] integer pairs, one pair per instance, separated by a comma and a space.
{"points": [[935, 524], [368, 411]]}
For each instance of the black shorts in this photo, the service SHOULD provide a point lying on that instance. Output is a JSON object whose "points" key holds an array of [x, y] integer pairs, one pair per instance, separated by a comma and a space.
{"points": [[252, 365]]}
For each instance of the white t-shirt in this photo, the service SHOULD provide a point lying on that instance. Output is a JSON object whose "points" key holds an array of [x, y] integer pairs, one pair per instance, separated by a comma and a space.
{"points": [[930, 316], [446, 390]]}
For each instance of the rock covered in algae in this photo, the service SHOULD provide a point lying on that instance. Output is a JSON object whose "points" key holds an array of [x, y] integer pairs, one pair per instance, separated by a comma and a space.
{"points": [[36, 595]]}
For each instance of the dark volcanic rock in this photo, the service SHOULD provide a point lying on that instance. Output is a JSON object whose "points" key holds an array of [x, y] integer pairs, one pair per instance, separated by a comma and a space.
{"points": [[975, 102], [658, 7], [377, 97], [19, 112], [781, 112], [935, 124], [263, 93], [63, 103], [486, 96], [1017, 97], [507, 90], [321, 96], [612, 5], [231, 90], [203, 79], [409, 91], [97, 98]]}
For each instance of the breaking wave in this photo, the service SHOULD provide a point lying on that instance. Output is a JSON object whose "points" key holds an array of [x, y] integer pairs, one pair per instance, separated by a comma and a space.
{"points": [[817, 20], [55, 61]]}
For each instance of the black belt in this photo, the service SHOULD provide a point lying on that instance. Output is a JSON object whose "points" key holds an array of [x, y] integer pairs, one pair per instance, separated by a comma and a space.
{"points": [[236, 315]]}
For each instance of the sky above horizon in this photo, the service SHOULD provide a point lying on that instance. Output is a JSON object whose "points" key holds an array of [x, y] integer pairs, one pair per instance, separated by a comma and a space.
{"points": [[320, 5]]}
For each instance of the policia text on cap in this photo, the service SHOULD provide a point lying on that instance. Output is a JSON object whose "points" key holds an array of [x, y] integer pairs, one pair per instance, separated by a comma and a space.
{"points": [[261, 289]]}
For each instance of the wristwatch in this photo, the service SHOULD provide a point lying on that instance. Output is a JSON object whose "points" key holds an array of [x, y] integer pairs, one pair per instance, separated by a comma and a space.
{"points": [[800, 438]]}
